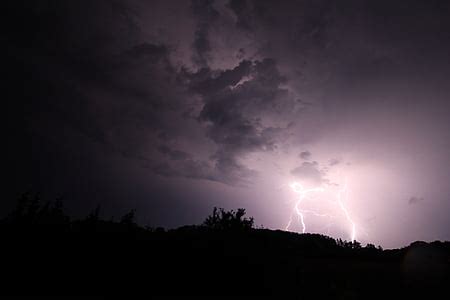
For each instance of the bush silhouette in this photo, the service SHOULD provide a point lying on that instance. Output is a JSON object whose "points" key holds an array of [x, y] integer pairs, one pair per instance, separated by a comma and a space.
{"points": [[228, 220], [30, 214]]}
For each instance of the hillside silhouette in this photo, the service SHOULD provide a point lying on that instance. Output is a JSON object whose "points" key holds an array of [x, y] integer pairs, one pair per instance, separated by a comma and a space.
{"points": [[45, 252]]}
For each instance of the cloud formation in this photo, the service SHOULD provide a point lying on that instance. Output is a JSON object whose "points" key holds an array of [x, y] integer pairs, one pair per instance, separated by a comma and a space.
{"points": [[305, 155], [309, 172], [210, 92]]}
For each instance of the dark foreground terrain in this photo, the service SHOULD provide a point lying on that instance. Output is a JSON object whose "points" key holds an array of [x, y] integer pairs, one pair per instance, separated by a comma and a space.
{"points": [[43, 252]]}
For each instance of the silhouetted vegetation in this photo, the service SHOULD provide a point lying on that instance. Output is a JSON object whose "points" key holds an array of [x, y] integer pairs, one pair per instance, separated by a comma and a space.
{"points": [[228, 220], [44, 251]]}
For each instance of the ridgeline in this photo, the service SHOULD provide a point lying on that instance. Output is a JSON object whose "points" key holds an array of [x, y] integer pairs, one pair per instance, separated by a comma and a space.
{"points": [[45, 252]]}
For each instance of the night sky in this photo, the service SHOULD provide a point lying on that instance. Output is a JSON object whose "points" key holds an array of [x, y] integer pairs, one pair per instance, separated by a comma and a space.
{"points": [[174, 107]]}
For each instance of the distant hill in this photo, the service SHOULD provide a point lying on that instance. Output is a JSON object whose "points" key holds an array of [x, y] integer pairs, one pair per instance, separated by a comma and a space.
{"points": [[44, 252]]}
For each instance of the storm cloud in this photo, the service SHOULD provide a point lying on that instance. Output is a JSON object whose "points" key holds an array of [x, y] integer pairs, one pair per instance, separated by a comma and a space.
{"points": [[202, 103]]}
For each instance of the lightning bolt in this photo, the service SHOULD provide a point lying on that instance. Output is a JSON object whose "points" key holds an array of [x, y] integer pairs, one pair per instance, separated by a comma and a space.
{"points": [[298, 188], [341, 196]]}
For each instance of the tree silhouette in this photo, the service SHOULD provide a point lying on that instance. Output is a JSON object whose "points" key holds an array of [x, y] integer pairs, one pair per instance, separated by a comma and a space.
{"points": [[228, 220], [29, 213], [128, 218]]}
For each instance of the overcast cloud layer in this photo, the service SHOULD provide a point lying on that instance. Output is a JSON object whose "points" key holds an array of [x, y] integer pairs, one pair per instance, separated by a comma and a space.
{"points": [[173, 107]]}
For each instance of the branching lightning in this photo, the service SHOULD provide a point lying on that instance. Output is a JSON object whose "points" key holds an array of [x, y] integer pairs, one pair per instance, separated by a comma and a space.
{"points": [[341, 199], [303, 193]]}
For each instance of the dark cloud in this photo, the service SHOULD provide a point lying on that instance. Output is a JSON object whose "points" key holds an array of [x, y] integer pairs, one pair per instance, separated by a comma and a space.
{"points": [[306, 155], [205, 14], [310, 172], [334, 162], [173, 154], [232, 102], [207, 82], [128, 93], [243, 12]]}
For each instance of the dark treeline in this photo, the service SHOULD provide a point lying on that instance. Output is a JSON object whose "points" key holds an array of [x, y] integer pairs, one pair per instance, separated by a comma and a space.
{"points": [[44, 251]]}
